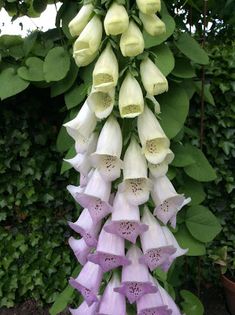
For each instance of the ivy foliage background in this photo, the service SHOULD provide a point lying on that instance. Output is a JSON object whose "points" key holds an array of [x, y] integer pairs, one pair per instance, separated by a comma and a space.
{"points": [[37, 95]]}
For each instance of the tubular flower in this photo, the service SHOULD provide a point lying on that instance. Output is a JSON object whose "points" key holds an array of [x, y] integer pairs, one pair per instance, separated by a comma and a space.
{"points": [[149, 6], [158, 170], [132, 41], [116, 20], [153, 80], [105, 74], [78, 23], [155, 143], [131, 101], [86, 228], [81, 127], [81, 162], [88, 282], [101, 103], [125, 220], [135, 277], [84, 309], [112, 303], [152, 304], [154, 243], [95, 197], [110, 251], [136, 185], [152, 24], [167, 300], [83, 60], [87, 44], [106, 158], [80, 249], [73, 190]]}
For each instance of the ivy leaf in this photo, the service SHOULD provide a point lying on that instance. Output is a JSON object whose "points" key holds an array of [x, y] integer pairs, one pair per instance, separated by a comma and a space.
{"points": [[174, 110], [191, 49], [186, 240], [56, 65], [207, 93], [191, 304], [202, 223], [201, 170], [164, 58], [33, 71], [10, 83]]}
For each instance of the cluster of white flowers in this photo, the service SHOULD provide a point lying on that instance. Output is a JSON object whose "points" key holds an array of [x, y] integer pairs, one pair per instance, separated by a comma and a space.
{"points": [[143, 166]]}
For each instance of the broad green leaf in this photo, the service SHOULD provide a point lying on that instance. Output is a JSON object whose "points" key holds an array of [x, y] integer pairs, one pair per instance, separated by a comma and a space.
{"points": [[189, 87], [10, 83], [164, 58], [33, 70], [151, 41], [64, 141], [207, 93], [56, 65], [201, 170], [186, 240], [191, 49], [64, 298], [182, 156], [191, 304], [64, 85], [76, 95], [65, 165], [39, 5], [193, 189], [202, 223], [67, 15], [183, 69], [29, 42], [174, 110]]}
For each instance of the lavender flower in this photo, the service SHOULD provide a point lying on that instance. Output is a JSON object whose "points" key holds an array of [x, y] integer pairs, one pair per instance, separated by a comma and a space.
{"points": [[80, 249]]}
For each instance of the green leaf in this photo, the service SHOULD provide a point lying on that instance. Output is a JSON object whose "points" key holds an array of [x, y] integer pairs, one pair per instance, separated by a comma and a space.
{"points": [[65, 165], [64, 85], [193, 189], [191, 304], [56, 65], [67, 15], [182, 156], [191, 49], [64, 298], [183, 69], [64, 141], [39, 5], [164, 58], [207, 93], [151, 41], [186, 240], [201, 170], [10, 83], [174, 110], [33, 71], [202, 223], [76, 95], [29, 42]]}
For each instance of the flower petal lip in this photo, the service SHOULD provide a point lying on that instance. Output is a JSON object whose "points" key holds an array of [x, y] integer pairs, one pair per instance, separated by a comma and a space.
{"points": [[158, 170], [132, 41], [131, 100], [78, 23], [152, 304], [153, 25], [80, 249], [101, 103], [149, 6], [116, 20], [84, 309]]}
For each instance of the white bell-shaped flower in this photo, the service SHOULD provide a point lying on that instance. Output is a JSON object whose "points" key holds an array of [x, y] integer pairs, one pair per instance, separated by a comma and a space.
{"points": [[81, 127], [116, 20], [153, 80], [109, 147], [155, 143], [87, 44], [101, 103], [132, 41], [83, 60], [153, 25], [149, 6], [136, 185], [158, 170], [105, 74], [78, 23], [131, 100]]}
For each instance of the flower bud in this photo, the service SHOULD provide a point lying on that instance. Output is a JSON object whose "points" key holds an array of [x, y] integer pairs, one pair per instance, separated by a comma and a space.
{"points": [[149, 6], [132, 41], [152, 24], [131, 101], [78, 23], [105, 74], [116, 20], [87, 44], [153, 80]]}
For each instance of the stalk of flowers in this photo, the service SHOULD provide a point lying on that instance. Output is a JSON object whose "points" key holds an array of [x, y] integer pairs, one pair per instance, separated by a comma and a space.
{"points": [[118, 176]]}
